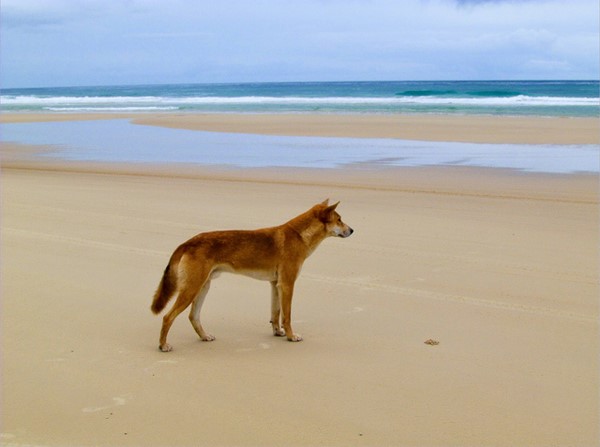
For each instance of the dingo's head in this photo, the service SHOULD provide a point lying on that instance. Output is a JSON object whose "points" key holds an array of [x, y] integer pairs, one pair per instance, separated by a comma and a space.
{"points": [[333, 221]]}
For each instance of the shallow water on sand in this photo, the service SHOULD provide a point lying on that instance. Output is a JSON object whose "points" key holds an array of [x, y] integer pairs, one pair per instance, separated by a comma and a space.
{"points": [[122, 141]]}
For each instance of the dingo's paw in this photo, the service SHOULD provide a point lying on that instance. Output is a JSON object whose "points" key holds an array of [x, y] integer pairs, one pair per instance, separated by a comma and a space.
{"points": [[208, 337], [295, 337], [166, 347], [278, 332]]}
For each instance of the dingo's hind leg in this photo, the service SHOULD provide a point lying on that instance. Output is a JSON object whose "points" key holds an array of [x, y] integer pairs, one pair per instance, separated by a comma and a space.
{"points": [[195, 313], [189, 288], [276, 311]]}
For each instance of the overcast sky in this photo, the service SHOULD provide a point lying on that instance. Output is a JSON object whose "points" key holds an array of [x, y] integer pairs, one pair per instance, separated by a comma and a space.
{"points": [[108, 42]]}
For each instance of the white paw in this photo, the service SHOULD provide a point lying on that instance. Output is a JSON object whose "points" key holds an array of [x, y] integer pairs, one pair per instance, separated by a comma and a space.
{"points": [[295, 337], [166, 347], [208, 337], [278, 332]]}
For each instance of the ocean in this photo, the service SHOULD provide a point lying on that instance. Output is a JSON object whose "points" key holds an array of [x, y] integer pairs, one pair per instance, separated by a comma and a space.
{"points": [[517, 98]]}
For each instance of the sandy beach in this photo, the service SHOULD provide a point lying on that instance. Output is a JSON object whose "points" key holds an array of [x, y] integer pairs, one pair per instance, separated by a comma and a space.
{"points": [[500, 267], [474, 129]]}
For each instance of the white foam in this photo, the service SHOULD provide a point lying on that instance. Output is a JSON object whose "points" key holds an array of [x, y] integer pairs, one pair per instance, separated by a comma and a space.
{"points": [[169, 103], [57, 100], [110, 109]]}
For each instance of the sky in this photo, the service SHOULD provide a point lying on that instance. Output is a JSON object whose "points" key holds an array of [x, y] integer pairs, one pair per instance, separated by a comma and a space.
{"points": [[45, 43]]}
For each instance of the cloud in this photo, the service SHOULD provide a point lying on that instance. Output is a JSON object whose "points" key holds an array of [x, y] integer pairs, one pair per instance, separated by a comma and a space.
{"points": [[153, 41], [482, 2]]}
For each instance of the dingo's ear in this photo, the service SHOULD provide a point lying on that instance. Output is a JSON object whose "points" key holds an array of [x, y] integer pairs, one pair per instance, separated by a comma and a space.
{"points": [[325, 202], [326, 213], [330, 208]]}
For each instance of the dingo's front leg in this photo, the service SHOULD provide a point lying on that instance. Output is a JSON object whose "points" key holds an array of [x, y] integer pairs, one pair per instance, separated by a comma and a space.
{"points": [[286, 291], [276, 311], [195, 313]]}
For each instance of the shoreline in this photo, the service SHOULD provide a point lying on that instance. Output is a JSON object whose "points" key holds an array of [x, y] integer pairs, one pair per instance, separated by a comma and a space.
{"points": [[443, 179], [449, 128], [450, 182], [465, 181]]}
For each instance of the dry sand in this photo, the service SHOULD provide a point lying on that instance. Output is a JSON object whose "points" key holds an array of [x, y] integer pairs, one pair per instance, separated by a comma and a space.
{"points": [[476, 129], [501, 268]]}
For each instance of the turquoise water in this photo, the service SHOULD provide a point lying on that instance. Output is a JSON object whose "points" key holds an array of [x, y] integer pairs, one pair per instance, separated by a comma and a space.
{"points": [[520, 98], [122, 141]]}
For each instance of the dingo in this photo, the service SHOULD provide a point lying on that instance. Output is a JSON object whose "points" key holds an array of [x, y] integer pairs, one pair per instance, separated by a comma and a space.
{"points": [[270, 254]]}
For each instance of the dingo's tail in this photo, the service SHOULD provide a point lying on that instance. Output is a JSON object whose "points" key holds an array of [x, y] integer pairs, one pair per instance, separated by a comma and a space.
{"points": [[164, 292]]}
